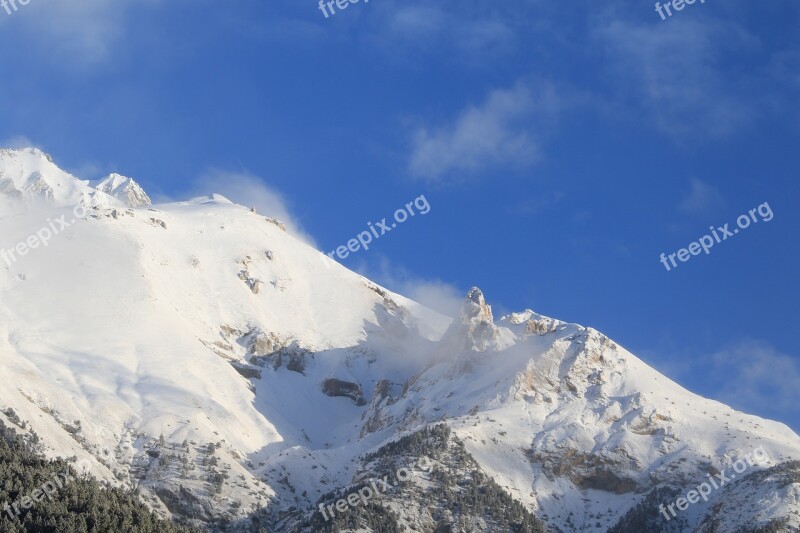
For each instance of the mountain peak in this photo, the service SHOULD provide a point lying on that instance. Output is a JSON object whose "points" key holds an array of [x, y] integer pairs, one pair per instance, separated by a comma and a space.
{"points": [[474, 330], [31, 175], [28, 150], [124, 189], [475, 307]]}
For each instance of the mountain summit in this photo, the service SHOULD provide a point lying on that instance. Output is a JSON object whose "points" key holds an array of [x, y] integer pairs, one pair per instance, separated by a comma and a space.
{"points": [[125, 190], [198, 352]]}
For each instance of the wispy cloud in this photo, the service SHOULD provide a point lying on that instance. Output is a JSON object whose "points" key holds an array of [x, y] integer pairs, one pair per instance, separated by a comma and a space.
{"points": [[441, 296], [543, 201], [76, 32], [502, 131], [18, 141], [750, 375], [702, 198], [758, 378], [250, 191], [477, 33], [677, 73]]}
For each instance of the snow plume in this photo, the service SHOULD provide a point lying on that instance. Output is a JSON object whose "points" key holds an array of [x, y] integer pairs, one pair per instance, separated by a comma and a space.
{"points": [[438, 295], [17, 142], [250, 191]]}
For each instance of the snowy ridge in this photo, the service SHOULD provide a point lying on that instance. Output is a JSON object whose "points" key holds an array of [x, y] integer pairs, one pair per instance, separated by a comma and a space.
{"points": [[31, 175], [197, 348]]}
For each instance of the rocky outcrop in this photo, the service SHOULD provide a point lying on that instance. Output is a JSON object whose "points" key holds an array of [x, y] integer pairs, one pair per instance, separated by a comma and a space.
{"points": [[474, 329], [337, 388], [246, 370], [293, 357], [259, 343], [252, 282], [384, 394], [587, 471], [542, 326], [277, 222]]}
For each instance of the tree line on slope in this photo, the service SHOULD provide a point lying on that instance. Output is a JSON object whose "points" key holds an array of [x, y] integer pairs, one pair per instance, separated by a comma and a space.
{"points": [[81, 504], [462, 498]]}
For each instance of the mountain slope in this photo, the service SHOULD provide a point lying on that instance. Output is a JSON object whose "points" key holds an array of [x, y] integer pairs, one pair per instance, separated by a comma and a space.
{"points": [[235, 375]]}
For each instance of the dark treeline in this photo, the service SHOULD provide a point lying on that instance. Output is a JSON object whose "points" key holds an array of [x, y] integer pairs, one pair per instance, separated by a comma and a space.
{"points": [[79, 504], [462, 497]]}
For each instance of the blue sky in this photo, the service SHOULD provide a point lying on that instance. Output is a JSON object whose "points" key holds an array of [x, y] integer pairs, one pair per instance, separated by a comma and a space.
{"points": [[562, 148]]}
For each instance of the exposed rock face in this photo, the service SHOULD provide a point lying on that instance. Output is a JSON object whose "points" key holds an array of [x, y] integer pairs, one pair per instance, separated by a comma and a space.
{"points": [[338, 388], [475, 307], [542, 326], [385, 394], [247, 371], [588, 471], [252, 282], [533, 323], [158, 222], [293, 356], [474, 330], [259, 343], [277, 222]]}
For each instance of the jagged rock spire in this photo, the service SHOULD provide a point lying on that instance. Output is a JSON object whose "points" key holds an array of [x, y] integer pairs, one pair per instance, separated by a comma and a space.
{"points": [[475, 307], [474, 329]]}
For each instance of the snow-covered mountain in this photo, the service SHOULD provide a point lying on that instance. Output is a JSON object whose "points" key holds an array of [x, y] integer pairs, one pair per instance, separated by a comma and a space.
{"points": [[30, 175], [235, 375], [124, 189]]}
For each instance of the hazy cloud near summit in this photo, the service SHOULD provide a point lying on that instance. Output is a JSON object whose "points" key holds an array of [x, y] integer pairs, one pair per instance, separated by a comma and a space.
{"points": [[17, 142], [250, 191]]}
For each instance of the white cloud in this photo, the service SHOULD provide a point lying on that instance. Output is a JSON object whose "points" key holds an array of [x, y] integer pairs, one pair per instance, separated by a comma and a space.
{"points": [[702, 198], [478, 34], [435, 294], [496, 133], [677, 73], [250, 191], [749, 375], [76, 32], [758, 378], [18, 141]]}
